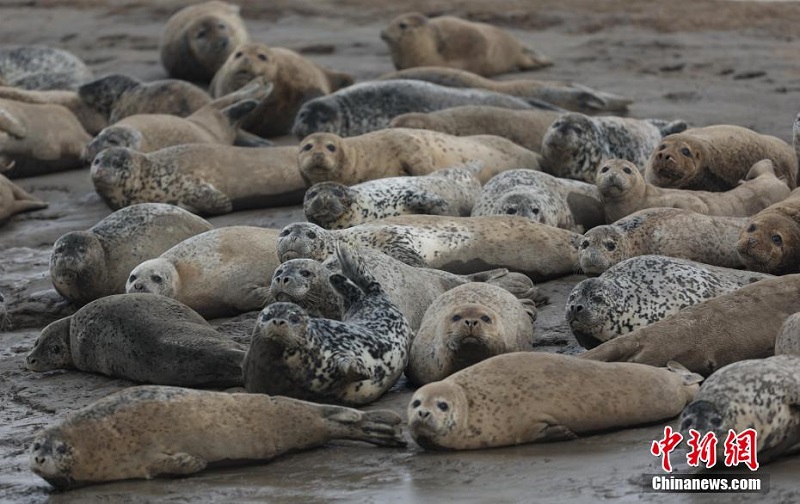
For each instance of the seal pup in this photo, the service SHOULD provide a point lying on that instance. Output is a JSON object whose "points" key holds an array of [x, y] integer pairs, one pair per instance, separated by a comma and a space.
{"points": [[206, 179], [624, 191], [91, 120], [370, 106], [762, 394], [770, 240], [38, 67], [150, 431], [788, 340], [642, 290], [352, 361], [525, 128], [296, 79], [197, 40], [416, 40], [568, 95], [575, 144], [143, 338], [14, 200], [327, 157], [466, 325], [716, 158], [673, 232], [526, 397], [87, 265], [564, 203], [740, 325], [217, 123], [461, 245], [445, 192], [218, 273]]}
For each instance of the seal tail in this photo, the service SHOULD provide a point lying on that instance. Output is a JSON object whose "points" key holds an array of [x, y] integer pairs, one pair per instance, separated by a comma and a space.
{"points": [[543, 105], [379, 427], [760, 168], [687, 376], [613, 102]]}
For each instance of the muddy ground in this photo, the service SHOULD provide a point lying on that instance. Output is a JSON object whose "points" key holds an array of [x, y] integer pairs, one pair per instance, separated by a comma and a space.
{"points": [[704, 61]]}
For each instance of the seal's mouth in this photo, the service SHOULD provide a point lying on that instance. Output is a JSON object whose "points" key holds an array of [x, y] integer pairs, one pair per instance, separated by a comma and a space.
{"points": [[668, 169], [290, 254]]}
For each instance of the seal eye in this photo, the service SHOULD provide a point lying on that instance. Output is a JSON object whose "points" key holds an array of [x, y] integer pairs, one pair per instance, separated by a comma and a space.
{"points": [[294, 318], [456, 318], [611, 246], [686, 152], [56, 349], [132, 278], [442, 406], [486, 319], [605, 169], [221, 26], [305, 273], [416, 403], [262, 57], [285, 232], [511, 211], [331, 147], [777, 240], [157, 279], [535, 211], [201, 34], [662, 146], [36, 446], [402, 26], [238, 55], [266, 316], [338, 193], [312, 235], [61, 448], [716, 421], [751, 228], [627, 170], [307, 147], [585, 244]]}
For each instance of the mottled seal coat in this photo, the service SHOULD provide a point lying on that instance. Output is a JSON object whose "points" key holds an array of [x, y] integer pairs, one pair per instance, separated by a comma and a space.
{"points": [[218, 273], [197, 39], [352, 361], [38, 138], [91, 120], [525, 128], [761, 394], [541, 198], [460, 245], [296, 79], [568, 95], [525, 397], [304, 282], [5, 318], [144, 338], [716, 158], [206, 179], [575, 144], [770, 240], [118, 96], [671, 232], [326, 157], [642, 290], [466, 325], [788, 340], [415, 40], [444, 192], [216, 123], [150, 431], [371, 106], [36, 67], [14, 200], [624, 191], [740, 325], [87, 265]]}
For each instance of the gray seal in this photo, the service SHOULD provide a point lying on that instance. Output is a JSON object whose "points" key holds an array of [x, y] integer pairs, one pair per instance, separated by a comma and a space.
{"points": [[788, 340], [43, 68]]}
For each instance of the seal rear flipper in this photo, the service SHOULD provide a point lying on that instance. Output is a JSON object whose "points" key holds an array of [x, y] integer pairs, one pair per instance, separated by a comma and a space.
{"points": [[556, 432], [347, 290], [533, 59], [207, 199], [613, 102], [379, 427], [667, 127], [521, 286], [12, 125], [687, 376], [543, 105], [176, 463], [247, 139]]}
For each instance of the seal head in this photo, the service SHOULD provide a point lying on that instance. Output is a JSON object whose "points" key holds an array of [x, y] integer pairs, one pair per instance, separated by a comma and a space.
{"points": [[437, 411]]}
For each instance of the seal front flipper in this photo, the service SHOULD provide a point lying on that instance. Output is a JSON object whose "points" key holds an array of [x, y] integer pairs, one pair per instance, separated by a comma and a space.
{"points": [[556, 432], [379, 427], [207, 199], [353, 368], [177, 463]]}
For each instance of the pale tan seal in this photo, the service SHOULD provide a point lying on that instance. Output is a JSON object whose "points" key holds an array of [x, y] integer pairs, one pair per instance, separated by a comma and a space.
{"points": [[568, 95], [672, 232], [171, 431], [716, 158], [466, 325], [86, 265], [625, 191], [324, 157], [526, 397], [525, 128], [770, 240], [415, 40], [91, 120], [218, 273], [740, 325], [197, 39], [207, 179], [14, 200], [788, 340], [296, 79]]}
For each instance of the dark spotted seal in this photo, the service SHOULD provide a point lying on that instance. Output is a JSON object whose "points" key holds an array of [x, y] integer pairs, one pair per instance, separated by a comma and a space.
{"points": [[37, 67]]}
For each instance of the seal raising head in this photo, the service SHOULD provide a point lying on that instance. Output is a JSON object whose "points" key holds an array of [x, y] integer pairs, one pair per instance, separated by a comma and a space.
{"points": [[321, 158], [437, 412], [589, 306], [326, 203], [318, 115], [601, 248], [770, 243], [305, 282], [156, 276], [675, 161], [305, 240]]}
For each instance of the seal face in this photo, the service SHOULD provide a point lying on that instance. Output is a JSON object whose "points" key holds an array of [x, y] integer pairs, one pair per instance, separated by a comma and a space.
{"points": [[305, 282], [770, 240]]}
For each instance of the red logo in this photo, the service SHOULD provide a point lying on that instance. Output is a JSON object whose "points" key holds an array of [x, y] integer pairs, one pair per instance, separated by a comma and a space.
{"points": [[739, 448]]}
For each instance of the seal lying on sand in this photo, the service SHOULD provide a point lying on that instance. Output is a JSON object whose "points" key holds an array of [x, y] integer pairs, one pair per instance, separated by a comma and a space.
{"points": [[14, 200], [770, 240], [36, 67]]}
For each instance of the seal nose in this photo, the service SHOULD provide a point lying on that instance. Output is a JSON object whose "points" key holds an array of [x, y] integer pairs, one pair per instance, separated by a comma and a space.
{"points": [[277, 322], [424, 414], [138, 287], [471, 323], [573, 311], [661, 156], [751, 242], [39, 460], [31, 361], [318, 156]]}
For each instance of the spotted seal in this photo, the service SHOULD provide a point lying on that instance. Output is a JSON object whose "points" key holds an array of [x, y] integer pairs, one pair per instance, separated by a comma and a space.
{"points": [[526, 397], [370, 106], [304, 282], [14, 200], [736, 326], [642, 290], [327, 157], [624, 191], [770, 240], [197, 39], [151, 339], [564, 203], [352, 361], [207, 179], [296, 79], [150, 431], [466, 325], [445, 192], [788, 340], [575, 144], [87, 265], [37, 67], [461, 245], [416, 40], [91, 120], [716, 158], [671, 232]]}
